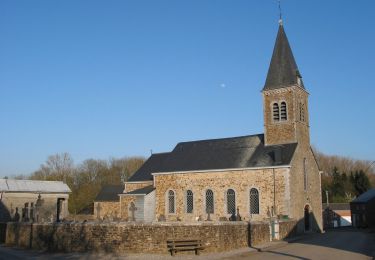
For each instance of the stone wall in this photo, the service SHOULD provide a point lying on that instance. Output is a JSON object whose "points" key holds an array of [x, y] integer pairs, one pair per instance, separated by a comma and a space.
{"points": [[122, 237], [296, 129], [241, 181], [125, 201], [125, 237], [107, 209], [287, 229], [130, 186], [13, 202]]}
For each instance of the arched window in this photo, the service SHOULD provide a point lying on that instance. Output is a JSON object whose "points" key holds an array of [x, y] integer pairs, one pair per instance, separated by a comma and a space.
{"points": [[171, 202], [254, 201], [209, 201], [231, 201], [276, 112], [283, 111], [189, 201]]}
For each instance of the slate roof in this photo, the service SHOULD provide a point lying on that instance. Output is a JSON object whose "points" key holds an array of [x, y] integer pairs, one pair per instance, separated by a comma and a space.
{"points": [[283, 70], [227, 153], [153, 164], [142, 191], [110, 193], [8, 185], [365, 197]]}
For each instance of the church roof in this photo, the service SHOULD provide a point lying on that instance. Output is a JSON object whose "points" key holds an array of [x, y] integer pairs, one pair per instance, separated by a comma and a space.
{"points": [[215, 154], [153, 164], [9, 185], [283, 70], [110, 193]]}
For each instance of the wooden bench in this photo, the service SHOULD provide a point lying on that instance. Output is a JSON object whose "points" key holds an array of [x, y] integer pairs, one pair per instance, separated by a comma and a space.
{"points": [[184, 245]]}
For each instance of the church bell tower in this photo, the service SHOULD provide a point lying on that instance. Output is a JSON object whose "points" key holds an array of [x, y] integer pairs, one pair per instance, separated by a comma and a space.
{"points": [[285, 99]]}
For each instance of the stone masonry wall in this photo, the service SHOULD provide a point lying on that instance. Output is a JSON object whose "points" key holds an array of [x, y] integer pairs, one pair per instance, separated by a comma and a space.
{"points": [[13, 202], [106, 209], [240, 181], [135, 238], [125, 237], [124, 205], [130, 186], [296, 130], [282, 131]]}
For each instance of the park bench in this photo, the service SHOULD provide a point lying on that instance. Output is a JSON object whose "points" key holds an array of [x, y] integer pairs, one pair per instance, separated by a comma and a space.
{"points": [[184, 245]]}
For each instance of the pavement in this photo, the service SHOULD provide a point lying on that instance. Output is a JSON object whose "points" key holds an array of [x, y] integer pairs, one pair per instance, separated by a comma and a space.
{"points": [[346, 243]]}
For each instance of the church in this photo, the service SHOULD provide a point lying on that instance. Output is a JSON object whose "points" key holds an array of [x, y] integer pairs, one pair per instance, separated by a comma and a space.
{"points": [[259, 177]]}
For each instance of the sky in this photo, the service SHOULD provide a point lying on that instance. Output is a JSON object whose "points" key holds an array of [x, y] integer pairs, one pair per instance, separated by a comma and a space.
{"points": [[103, 79]]}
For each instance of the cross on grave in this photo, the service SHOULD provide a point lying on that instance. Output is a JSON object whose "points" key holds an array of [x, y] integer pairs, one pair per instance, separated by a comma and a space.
{"points": [[133, 208]]}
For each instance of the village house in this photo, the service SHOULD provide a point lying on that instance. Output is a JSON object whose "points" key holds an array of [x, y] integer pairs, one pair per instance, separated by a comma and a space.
{"points": [[260, 177], [35, 201], [363, 209]]}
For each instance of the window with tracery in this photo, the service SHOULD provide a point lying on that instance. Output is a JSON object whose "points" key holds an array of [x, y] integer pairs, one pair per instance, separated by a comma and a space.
{"points": [[231, 201], [209, 201], [189, 201], [171, 202], [254, 201]]}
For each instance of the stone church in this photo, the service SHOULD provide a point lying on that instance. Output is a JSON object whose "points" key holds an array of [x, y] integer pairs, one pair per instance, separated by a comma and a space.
{"points": [[257, 177]]}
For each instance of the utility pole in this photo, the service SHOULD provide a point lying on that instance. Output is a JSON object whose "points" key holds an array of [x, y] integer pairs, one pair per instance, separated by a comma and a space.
{"points": [[327, 198]]}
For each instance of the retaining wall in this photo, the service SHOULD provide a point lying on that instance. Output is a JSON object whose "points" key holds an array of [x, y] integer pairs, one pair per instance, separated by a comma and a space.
{"points": [[123, 237]]}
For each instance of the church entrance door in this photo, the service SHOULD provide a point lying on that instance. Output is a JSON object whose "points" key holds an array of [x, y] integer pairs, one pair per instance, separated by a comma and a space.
{"points": [[307, 218]]}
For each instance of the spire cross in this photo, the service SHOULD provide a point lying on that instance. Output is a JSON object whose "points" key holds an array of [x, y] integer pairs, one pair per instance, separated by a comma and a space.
{"points": [[280, 14]]}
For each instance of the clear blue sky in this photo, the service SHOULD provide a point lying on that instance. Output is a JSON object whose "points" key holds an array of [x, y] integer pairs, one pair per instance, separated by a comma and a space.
{"points": [[101, 79]]}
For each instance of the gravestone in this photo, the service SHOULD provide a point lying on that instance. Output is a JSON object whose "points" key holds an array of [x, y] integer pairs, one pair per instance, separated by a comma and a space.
{"points": [[238, 217], [132, 209]]}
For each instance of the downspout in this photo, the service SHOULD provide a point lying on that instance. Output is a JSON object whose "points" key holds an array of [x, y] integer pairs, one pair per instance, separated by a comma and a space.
{"points": [[274, 192]]}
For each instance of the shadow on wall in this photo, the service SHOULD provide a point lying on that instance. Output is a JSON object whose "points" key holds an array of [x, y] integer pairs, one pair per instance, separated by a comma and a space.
{"points": [[261, 233], [5, 215]]}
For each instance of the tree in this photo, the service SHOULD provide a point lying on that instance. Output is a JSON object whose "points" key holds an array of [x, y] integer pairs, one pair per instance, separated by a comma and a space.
{"points": [[360, 181]]}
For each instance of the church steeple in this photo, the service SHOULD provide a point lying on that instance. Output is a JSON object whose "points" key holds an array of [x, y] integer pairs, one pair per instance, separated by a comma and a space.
{"points": [[283, 70], [285, 100]]}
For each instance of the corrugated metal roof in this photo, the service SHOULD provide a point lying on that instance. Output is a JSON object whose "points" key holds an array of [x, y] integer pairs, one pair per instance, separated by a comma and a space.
{"points": [[7, 185]]}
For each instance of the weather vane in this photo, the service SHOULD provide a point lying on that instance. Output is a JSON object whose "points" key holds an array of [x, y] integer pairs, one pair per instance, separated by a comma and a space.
{"points": [[280, 16]]}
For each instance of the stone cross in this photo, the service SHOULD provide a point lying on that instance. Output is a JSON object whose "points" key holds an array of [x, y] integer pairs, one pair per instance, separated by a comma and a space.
{"points": [[133, 208]]}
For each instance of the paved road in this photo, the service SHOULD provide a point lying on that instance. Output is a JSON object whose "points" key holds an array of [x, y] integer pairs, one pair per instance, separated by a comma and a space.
{"points": [[339, 244]]}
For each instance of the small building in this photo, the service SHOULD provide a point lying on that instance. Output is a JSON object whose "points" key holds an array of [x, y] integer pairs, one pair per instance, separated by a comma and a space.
{"points": [[107, 202], [363, 209], [28, 200], [336, 215]]}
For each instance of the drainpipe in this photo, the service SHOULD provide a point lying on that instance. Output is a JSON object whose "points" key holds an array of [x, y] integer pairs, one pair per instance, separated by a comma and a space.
{"points": [[274, 192]]}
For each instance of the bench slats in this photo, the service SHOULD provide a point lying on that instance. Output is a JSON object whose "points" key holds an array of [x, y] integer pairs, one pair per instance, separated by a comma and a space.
{"points": [[184, 245]]}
